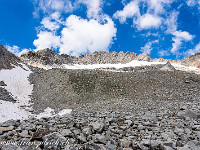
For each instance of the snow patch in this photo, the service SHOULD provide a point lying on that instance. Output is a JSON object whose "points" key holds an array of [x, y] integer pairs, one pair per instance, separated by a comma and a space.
{"points": [[134, 63], [19, 86]]}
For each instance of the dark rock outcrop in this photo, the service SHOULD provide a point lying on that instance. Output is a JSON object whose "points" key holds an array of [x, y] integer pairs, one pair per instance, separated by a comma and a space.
{"points": [[47, 57], [7, 59]]}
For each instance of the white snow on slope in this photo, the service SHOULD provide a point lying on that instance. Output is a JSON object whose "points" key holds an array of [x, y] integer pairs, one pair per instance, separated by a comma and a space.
{"points": [[18, 85], [133, 63]]}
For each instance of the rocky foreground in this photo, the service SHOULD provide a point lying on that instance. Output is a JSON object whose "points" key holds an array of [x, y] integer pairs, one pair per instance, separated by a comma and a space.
{"points": [[107, 130]]}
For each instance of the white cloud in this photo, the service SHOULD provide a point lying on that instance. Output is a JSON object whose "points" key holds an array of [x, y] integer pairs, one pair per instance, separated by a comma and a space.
{"points": [[183, 35], [128, 11], [78, 36], [50, 6], [81, 36], [148, 47], [157, 6], [17, 50], [171, 22], [93, 8], [191, 2], [180, 36], [176, 45], [52, 22], [193, 51], [148, 21], [163, 53], [47, 40]]}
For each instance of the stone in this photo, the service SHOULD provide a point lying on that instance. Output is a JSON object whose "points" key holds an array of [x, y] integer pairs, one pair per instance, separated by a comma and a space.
{"points": [[66, 132], [2, 83], [100, 138], [24, 133], [187, 113], [125, 143], [168, 67], [10, 123], [164, 147], [10, 147], [87, 131], [54, 141], [5, 129], [97, 126], [148, 116], [82, 138]]}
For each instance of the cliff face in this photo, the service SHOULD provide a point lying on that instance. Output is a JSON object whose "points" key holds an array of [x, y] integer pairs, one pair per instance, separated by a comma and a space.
{"points": [[7, 59]]}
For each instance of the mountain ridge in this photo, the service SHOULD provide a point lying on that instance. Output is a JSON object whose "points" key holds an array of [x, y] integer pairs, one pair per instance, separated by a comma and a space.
{"points": [[102, 57]]}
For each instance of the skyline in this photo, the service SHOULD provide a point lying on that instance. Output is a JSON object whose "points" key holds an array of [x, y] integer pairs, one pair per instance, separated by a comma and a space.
{"points": [[168, 29]]}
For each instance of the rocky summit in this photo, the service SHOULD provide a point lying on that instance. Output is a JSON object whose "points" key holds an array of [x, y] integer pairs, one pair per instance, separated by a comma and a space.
{"points": [[98, 101]]}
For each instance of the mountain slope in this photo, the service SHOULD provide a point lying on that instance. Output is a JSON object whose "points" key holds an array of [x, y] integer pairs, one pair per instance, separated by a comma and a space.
{"points": [[7, 59]]}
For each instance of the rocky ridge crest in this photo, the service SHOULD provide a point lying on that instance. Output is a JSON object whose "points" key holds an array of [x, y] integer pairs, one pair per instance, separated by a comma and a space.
{"points": [[50, 57]]}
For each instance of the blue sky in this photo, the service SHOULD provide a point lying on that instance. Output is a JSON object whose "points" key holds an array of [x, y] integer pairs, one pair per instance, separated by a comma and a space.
{"points": [[169, 29]]}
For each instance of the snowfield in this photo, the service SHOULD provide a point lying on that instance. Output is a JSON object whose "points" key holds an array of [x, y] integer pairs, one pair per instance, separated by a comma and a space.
{"points": [[134, 63], [20, 88]]}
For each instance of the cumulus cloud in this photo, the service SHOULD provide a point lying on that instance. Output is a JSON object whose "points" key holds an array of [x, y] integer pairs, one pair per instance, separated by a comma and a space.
{"points": [[93, 8], [148, 21], [148, 47], [78, 36], [81, 36], [47, 40], [17, 50], [128, 11]]}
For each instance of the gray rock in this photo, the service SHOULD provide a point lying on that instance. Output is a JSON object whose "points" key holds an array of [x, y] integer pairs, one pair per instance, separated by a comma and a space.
{"points": [[149, 116], [10, 147], [2, 83], [187, 113], [5, 129], [163, 147], [82, 138], [97, 126], [100, 138], [168, 67], [54, 141], [10, 123], [125, 143], [24, 133], [87, 131], [66, 132]]}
